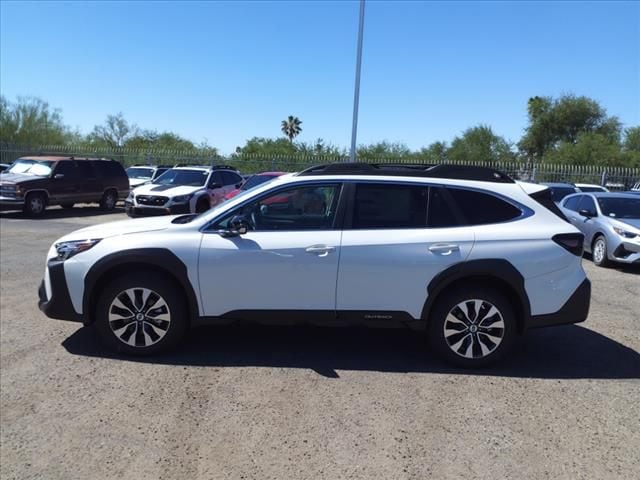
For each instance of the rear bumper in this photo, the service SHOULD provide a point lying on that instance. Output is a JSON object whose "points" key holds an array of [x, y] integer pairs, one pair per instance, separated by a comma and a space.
{"points": [[59, 305], [575, 310]]}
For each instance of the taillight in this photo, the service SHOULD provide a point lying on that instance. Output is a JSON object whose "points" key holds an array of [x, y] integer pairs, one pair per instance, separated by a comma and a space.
{"points": [[572, 242]]}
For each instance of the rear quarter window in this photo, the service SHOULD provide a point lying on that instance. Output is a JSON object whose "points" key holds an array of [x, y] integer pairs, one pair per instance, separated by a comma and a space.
{"points": [[480, 208]]}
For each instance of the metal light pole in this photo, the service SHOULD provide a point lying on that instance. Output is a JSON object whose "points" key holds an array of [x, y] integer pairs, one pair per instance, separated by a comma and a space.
{"points": [[356, 93]]}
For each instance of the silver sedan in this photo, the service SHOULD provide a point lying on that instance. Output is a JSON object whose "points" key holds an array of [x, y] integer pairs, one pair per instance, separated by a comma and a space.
{"points": [[610, 223]]}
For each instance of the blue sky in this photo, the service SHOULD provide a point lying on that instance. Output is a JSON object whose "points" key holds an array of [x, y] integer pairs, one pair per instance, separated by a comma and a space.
{"points": [[226, 71]]}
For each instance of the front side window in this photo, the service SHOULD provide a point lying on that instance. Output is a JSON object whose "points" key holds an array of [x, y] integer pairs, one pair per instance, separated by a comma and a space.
{"points": [[480, 208], [67, 168], [390, 206], [299, 208], [230, 178], [587, 203], [572, 203]]}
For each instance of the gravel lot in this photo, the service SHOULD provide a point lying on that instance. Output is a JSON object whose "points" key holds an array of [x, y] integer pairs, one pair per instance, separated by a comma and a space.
{"points": [[309, 403]]}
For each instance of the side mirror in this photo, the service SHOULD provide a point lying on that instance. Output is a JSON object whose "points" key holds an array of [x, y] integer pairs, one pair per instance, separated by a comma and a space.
{"points": [[587, 213], [238, 225], [58, 176]]}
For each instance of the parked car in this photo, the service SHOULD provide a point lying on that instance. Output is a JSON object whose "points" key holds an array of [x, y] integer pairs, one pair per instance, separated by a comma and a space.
{"points": [[33, 183], [4, 166], [610, 223], [465, 252], [183, 190], [141, 174], [254, 181], [590, 187], [560, 190]]}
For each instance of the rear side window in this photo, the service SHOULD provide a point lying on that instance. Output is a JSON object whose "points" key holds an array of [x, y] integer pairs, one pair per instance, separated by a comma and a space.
{"points": [[85, 169], [572, 203], [105, 168], [390, 206], [482, 208], [441, 210]]}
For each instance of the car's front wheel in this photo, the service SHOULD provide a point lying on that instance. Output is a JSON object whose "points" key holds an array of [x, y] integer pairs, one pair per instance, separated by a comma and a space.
{"points": [[472, 326], [35, 204], [599, 252], [109, 200], [142, 314]]}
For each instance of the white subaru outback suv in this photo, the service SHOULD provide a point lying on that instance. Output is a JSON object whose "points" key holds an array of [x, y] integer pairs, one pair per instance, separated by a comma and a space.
{"points": [[183, 190], [466, 253]]}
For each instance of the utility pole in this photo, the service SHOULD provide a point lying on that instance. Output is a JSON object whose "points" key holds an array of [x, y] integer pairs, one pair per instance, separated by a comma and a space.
{"points": [[356, 93]]}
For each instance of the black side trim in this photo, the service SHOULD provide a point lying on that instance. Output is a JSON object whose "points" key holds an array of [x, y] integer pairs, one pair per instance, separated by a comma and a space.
{"points": [[497, 268], [575, 310], [159, 258], [59, 306], [374, 319]]}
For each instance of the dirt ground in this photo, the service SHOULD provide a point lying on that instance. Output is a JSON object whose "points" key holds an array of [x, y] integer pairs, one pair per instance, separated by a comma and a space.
{"points": [[250, 402]]}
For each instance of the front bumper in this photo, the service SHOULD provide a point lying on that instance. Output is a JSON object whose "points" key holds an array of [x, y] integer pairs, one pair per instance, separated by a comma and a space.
{"points": [[575, 310], [142, 211], [628, 251], [11, 202], [58, 305]]}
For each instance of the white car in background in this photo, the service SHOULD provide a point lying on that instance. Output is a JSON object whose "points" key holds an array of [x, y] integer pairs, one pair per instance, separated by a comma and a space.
{"points": [[183, 190], [591, 187], [141, 174]]}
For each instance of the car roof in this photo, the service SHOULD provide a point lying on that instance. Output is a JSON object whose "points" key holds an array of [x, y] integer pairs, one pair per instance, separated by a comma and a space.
{"points": [[558, 184], [602, 195]]}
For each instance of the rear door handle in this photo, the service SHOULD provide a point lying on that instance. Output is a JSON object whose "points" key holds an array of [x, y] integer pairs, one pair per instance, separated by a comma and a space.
{"points": [[444, 248], [320, 250]]}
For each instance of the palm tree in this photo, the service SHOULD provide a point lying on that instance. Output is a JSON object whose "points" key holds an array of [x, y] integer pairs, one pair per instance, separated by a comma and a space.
{"points": [[291, 127]]}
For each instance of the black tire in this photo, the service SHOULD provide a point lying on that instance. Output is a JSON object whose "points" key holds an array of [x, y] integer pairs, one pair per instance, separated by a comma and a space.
{"points": [[67, 206], [463, 344], [599, 252], [35, 204], [202, 205], [109, 200], [127, 333]]}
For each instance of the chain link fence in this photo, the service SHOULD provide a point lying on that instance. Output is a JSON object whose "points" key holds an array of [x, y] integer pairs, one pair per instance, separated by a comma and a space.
{"points": [[615, 178]]}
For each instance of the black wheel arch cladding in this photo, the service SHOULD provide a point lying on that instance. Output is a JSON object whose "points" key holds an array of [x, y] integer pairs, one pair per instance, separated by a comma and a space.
{"points": [[508, 279], [159, 259]]}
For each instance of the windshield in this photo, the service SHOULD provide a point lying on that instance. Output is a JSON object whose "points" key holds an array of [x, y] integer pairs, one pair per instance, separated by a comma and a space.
{"points": [[139, 172], [256, 180], [41, 168], [620, 207], [191, 178]]}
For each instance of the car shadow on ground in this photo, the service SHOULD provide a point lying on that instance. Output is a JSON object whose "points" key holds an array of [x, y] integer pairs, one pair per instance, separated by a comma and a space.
{"points": [[568, 352], [620, 267], [55, 213]]}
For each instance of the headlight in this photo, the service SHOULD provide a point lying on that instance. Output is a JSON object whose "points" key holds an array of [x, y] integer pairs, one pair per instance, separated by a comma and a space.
{"points": [[624, 233], [69, 249], [182, 198]]}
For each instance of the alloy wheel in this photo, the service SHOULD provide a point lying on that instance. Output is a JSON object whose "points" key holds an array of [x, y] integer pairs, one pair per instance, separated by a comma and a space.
{"points": [[474, 328], [599, 250], [139, 317], [36, 204]]}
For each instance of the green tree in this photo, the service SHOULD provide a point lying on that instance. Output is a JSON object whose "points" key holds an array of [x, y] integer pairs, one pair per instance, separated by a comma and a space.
{"points": [[320, 148], [434, 153], [267, 147], [31, 121], [147, 139], [480, 144], [631, 139], [115, 132], [384, 151], [291, 127], [589, 148], [555, 122]]}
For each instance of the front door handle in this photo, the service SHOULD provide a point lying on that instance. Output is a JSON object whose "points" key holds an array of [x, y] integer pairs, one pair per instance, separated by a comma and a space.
{"points": [[320, 250], [444, 248]]}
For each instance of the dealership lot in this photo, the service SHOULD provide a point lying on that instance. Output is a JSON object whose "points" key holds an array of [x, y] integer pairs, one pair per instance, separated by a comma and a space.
{"points": [[257, 402]]}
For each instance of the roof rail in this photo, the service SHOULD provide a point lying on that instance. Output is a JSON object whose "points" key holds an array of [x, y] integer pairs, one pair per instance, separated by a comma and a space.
{"points": [[460, 172]]}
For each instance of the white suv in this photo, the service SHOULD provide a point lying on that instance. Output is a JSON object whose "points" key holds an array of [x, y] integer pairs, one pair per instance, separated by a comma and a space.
{"points": [[183, 190], [465, 252]]}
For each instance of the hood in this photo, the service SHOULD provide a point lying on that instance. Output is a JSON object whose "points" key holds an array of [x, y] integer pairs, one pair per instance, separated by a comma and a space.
{"points": [[122, 227], [19, 178], [136, 182], [165, 190], [634, 222]]}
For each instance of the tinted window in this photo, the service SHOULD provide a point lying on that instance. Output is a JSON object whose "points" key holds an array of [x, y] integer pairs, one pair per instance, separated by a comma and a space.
{"points": [[592, 189], [255, 180], [620, 207], [159, 171], [482, 208], [85, 169], [299, 208], [558, 193], [587, 203], [441, 212], [66, 168], [106, 168], [230, 178], [390, 206], [216, 178], [572, 203]]}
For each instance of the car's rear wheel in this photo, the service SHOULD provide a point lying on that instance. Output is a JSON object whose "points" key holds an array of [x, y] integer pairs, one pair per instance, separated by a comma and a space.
{"points": [[599, 252], [109, 199], [202, 205], [141, 314], [35, 204], [472, 326]]}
